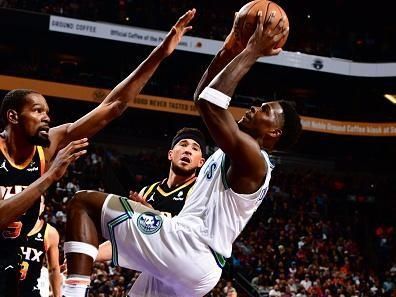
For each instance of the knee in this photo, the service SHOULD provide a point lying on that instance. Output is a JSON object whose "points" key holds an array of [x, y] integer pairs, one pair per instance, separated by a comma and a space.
{"points": [[79, 201], [86, 201]]}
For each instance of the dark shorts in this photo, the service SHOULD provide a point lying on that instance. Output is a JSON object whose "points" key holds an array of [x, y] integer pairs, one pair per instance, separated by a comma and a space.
{"points": [[9, 281], [34, 293]]}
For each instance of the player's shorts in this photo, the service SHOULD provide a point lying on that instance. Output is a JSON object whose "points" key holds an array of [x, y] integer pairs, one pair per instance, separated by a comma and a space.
{"points": [[148, 285], [9, 276], [145, 240]]}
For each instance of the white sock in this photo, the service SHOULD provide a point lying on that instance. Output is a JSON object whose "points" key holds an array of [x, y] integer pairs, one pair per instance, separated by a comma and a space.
{"points": [[76, 286]]}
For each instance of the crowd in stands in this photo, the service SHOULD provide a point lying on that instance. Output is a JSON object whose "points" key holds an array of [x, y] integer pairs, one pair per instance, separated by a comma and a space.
{"points": [[303, 241], [315, 29]]}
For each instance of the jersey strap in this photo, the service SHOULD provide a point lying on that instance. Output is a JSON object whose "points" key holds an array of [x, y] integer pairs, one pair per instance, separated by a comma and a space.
{"points": [[150, 189], [42, 159]]}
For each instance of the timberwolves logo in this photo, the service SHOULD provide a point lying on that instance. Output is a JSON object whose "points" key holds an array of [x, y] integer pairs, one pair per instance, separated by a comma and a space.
{"points": [[209, 171], [149, 223]]}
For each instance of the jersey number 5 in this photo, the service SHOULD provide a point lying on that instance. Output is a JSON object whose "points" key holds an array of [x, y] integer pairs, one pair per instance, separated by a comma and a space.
{"points": [[13, 230]]}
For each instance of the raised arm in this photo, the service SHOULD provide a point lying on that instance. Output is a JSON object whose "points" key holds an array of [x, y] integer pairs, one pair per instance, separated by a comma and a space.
{"points": [[242, 148], [126, 91], [229, 51]]}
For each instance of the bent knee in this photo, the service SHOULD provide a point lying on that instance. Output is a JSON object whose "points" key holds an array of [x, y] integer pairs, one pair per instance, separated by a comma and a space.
{"points": [[86, 200]]}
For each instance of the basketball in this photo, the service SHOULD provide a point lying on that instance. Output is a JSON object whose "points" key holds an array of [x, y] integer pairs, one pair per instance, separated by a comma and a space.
{"points": [[247, 20]]}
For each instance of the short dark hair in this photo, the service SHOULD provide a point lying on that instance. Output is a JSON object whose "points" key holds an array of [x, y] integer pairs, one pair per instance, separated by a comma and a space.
{"points": [[291, 129], [14, 99], [190, 133]]}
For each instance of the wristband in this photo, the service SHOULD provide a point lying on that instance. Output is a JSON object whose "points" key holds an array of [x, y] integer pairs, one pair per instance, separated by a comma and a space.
{"points": [[215, 97]]}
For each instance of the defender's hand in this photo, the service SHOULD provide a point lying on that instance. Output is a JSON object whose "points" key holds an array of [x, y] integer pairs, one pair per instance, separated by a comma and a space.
{"points": [[174, 36], [72, 152], [136, 197]]}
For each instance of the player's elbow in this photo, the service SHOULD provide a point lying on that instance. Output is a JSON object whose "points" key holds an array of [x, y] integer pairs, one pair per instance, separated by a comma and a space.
{"points": [[54, 268], [5, 219], [196, 96], [117, 108]]}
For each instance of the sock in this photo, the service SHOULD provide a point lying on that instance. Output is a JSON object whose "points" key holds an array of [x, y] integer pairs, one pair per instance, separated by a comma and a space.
{"points": [[76, 286]]}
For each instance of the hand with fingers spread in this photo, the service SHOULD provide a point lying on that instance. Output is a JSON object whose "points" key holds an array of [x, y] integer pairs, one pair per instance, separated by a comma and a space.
{"points": [[137, 198], [265, 38], [72, 152], [175, 35]]}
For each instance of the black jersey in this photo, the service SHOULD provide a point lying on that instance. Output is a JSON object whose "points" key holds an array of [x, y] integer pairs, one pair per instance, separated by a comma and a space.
{"points": [[13, 180], [33, 254], [165, 199]]}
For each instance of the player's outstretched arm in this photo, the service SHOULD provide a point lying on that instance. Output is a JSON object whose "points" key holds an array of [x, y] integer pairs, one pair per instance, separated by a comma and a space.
{"points": [[117, 100], [18, 204], [239, 146], [229, 51]]}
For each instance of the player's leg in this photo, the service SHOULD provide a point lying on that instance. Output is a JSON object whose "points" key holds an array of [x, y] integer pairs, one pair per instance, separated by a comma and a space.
{"points": [[142, 239], [82, 239]]}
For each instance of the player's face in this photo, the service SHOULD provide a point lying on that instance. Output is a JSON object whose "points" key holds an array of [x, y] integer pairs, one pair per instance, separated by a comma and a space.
{"points": [[34, 119], [186, 157], [260, 120]]}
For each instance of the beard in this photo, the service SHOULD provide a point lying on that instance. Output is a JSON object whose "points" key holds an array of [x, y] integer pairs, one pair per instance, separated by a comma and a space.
{"points": [[182, 171], [39, 140]]}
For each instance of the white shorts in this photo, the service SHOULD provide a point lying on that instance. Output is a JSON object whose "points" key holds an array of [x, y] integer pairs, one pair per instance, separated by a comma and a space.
{"points": [[145, 240], [148, 285]]}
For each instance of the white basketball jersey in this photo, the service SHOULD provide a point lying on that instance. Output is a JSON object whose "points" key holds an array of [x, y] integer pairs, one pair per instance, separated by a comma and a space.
{"points": [[214, 212]]}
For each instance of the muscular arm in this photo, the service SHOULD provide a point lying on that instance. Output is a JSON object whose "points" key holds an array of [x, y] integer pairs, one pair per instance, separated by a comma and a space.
{"points": [[248, 167], [12, 208], [247, 164], [126, 91], [220, 122], [52, 240], [113, 105]]}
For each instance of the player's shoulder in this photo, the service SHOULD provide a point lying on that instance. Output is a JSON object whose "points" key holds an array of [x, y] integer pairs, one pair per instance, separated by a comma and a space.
{"points": [[51, 231], [149, 188]]}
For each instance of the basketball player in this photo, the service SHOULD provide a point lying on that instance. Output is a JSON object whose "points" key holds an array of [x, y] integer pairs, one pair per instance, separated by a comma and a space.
{"points": [[170, 194], [13, 178], [42, 241], [185, 254], [186, 156], [28, 146]]}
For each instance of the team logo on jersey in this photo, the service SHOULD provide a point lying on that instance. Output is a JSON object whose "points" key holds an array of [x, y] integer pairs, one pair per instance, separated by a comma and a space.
{"points": [[3, 166], [209, 171], [179, 196], [39, 237], [262, 195], [149, 223], [151, 198], [31, 254]]}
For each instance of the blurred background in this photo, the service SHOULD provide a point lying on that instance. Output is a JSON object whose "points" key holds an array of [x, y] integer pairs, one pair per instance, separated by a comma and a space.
{"points": [[327, 225]]}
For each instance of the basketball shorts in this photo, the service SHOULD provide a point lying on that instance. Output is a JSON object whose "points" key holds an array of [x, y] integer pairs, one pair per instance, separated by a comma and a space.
{"points": [[145, 240]]}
